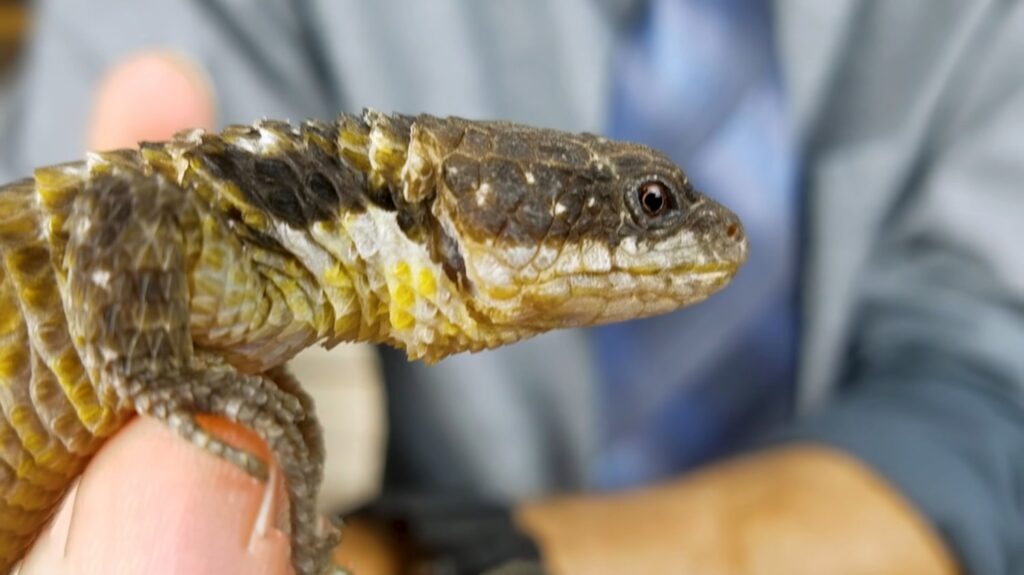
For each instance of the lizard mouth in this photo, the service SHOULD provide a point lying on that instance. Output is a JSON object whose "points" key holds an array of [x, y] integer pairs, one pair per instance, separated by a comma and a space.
{"points": [[708, 268], [586, 298]]}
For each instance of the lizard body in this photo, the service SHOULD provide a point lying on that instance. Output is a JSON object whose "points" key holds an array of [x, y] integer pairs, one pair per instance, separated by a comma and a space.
{"points": [[178, 278]]}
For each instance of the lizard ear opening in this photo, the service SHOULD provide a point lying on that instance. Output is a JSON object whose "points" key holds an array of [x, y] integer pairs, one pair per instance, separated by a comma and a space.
{"points": [[445, 250]]}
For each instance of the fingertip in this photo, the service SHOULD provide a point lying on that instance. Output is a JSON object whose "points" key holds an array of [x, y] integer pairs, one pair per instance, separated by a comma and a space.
{"points": [[150, 96], [152, 503]]}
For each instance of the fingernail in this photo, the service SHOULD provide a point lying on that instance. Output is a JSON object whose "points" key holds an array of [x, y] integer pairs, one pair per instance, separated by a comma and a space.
{"points": [[273, 510]]}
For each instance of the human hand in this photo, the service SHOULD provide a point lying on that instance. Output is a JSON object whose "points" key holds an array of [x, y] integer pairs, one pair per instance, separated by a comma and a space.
{"points": [[796, 510], [151, 502]]}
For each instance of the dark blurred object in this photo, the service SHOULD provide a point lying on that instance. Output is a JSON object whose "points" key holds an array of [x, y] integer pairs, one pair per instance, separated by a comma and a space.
{"points": [[457, 535], [519, 567], [13, 27]]}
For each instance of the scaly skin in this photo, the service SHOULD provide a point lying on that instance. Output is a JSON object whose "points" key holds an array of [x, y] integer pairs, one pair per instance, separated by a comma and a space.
{"points": [[177, 279]]}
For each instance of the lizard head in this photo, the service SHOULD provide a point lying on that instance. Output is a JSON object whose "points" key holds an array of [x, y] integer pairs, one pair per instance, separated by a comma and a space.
{"points": [[497, 231], [554, 229]]}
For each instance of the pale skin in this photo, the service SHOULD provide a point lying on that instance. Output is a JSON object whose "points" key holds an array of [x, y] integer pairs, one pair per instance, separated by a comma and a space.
{"points": [[174, 508], [152, 503]]}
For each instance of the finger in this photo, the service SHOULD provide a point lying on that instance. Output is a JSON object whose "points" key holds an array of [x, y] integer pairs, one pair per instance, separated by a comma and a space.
{"points": [[152, 503], [149, 96], [371, 547]]}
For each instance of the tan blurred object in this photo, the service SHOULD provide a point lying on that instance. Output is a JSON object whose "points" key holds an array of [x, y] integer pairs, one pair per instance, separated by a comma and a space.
{"points": [[370, 549], [13, 27], [793, 511], [347, 385]]}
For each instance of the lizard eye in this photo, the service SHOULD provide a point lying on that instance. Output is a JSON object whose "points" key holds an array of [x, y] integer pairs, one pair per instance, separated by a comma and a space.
{"points": [[655, 198]]}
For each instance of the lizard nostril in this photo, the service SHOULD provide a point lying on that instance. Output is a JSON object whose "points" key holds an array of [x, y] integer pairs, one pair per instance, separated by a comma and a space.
{"points": [[732, 230]]}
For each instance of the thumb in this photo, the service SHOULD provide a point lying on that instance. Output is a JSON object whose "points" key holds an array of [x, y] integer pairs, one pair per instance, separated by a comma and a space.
{"points": [[152, 503], [149, 96]]}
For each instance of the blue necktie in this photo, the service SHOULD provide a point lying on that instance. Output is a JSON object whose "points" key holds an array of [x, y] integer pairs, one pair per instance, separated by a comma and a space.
{"points": [[697, 79]]}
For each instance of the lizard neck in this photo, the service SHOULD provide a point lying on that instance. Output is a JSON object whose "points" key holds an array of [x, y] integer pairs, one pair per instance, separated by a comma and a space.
{"points": [[276, 267], [356, 278], [385, 288]]}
